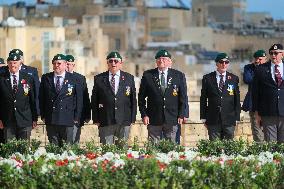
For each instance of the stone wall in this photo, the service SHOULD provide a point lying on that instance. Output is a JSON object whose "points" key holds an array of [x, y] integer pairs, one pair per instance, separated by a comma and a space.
{"points": [[191, 133]]}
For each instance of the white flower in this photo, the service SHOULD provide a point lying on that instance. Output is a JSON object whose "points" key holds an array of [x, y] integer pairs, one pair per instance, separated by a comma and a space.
{"points": [[39, 152]]}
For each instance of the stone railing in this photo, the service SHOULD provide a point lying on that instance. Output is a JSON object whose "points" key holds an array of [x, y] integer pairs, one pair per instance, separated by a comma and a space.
{"points": [[191, 133]]}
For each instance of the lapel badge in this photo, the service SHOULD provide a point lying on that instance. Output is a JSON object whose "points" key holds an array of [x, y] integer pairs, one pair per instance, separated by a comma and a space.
{"points": [[170, 81], [69, 89], [65, 81], [127, 91], [175, 90], [230, 89]]}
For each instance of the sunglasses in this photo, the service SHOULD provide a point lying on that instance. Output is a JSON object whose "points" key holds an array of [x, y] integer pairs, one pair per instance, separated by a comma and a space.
{"points": [[113, 61], [224, 61], [274, 53]]}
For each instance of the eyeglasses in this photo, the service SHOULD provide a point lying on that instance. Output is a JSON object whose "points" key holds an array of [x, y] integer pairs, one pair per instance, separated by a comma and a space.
{"points": [[113, 61], [224, 61], [273, 53]]}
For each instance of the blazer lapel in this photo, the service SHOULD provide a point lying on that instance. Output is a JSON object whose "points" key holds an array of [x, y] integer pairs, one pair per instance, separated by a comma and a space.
{"points": [[51, 81], [156, 80], [8, 83], [121, 85], [269, 74], [214, 81], [169, 79], [106, 81]]}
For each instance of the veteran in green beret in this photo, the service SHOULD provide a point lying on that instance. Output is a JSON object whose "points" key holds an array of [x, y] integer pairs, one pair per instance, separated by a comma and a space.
{"points": [[114, 101], [268, 95], [32, 71], [162, 98], [220, 100], [86, 111], [18, 113], [248, 75], [61, 102]]}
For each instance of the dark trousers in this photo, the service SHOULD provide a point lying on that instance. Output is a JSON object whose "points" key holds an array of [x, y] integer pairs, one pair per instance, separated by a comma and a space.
{"points": [[59, 134], [2, 139], [13, 131], [221, 131], [178, 134], [273, 128], [112, 133], [157, 132], [76, 134]]}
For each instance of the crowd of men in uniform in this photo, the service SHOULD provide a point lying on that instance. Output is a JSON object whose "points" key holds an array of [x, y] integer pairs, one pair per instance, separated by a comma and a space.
{"points": [[62, 100]]}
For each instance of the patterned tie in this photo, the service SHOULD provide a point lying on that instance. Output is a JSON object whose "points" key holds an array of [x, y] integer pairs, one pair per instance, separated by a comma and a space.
{"points": [[278, 77], [221, 83], [15, 84], [58, 86], [112, 83], [163, 82]]}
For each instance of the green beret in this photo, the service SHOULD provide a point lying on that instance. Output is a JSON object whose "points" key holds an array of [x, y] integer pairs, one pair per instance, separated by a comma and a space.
{"points": [[14, 57], [113, 55], [259, 53], [16, 51], [59, 57], [69, 58], [2, 61], [221, 56], [162, 53]]}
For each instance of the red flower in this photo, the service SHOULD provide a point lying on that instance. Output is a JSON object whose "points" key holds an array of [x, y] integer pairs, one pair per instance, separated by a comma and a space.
{"points": [[91, 155], [61, 162], [24, 81], [130, 156]]}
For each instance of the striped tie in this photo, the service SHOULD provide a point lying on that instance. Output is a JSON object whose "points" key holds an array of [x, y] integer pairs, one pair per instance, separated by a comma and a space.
{"points": [[15, 84], [112, 83], [278, 77]]}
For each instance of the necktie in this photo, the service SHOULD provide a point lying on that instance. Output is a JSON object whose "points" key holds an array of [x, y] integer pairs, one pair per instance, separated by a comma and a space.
{"points": [[163, 82], [112, 82], [221, 83], [278, 77], [15, 84], [58, 86]]}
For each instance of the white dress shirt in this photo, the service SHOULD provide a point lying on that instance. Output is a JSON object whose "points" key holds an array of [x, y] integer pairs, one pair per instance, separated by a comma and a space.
{"points": [[218, 77], [165, 74], [61, 79], [280, 68], [117, 78], [12, 78]]}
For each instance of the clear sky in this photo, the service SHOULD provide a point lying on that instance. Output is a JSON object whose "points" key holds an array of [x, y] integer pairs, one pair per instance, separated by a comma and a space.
{"points": [[274, 7]]}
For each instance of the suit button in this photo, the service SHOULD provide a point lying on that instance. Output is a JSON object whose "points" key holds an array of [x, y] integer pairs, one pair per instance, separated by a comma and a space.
{"points": [[164, 106], [278, 97], [60, 108], [278, 89], [15, 101], [115, 108], [60, 100], [164, 98], [53, 107], [15, 109], [221, 97], [51, 100], [115, 98]]}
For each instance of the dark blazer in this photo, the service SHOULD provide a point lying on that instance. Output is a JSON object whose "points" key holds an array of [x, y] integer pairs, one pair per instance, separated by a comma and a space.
{"points": [[19, 108], [86, 111], [109, 108], [162, 108], [248, 76], [214, 104], [63, 108], [34, 74], [268, 99]]}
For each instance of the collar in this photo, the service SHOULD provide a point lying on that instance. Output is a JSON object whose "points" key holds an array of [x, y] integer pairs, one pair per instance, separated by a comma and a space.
{"points": [[218, 74], [17, 74], [62, 75], [116, 74], [165, 71]]}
